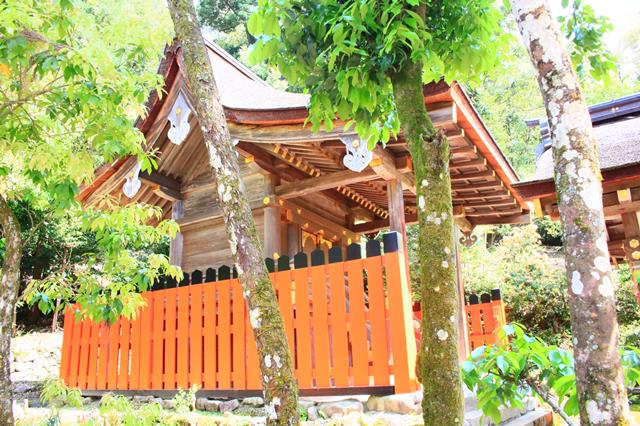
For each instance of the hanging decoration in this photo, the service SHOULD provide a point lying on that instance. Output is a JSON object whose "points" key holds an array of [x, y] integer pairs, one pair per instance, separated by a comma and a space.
{"points": [[358, 155], [132, 182], [179, 118]]}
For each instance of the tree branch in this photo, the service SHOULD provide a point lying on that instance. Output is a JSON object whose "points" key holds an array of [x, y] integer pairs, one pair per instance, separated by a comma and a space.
{"points": [[550, 399]]}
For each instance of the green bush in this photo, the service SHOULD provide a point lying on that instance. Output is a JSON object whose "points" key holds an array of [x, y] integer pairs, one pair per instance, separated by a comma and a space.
{"points": [[532, 279]]}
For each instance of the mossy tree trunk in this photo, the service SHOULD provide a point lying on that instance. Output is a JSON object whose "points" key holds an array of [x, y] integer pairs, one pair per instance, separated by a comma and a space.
{"points": [[443, 401], [601, 391], [280, 389], [9, 286]]}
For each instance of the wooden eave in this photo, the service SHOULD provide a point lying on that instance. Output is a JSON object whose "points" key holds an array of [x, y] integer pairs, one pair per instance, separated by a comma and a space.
{"points": [[276, 142], [621, 215]]}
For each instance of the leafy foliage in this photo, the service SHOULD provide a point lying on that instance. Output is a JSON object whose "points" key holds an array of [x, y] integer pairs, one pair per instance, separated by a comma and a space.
{"points": [[225, 16], [74, 77], [505, 375], [184, 401], [585, 29], [343, 52], [56, 394]]}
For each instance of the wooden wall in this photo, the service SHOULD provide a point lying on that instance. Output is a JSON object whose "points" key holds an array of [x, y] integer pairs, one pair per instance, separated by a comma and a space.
{"points": [[204, 239], [206, 244]]}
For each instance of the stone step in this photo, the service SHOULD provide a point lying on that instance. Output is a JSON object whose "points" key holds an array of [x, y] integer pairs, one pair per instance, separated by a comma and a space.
{"points": [[539, 417], [475, 417]]}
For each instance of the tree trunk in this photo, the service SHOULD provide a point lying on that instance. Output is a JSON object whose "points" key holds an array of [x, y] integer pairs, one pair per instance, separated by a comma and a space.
{"points": [[280, 389], [9, 285], [443, 401], [601, 392]]}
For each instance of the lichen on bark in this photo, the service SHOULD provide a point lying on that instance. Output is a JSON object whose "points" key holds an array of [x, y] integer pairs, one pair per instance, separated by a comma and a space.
{"points": [[443, 401], [279, 385], [9, 285], [601, 391]]}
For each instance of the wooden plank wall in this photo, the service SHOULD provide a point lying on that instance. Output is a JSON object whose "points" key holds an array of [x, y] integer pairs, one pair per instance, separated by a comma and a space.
{"points": [[200, 333]]}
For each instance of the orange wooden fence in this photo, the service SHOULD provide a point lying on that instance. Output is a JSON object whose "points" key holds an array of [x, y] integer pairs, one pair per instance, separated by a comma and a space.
{"points": [[485, 316], [349, 326]]}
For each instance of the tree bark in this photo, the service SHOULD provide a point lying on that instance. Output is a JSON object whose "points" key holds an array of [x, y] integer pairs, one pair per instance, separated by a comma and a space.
{"points": [[280, 389], [9, 286], [443, 401], [601, 392]]}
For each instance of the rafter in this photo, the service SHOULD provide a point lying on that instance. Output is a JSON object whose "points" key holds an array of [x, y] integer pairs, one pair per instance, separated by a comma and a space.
{"points": [[329, 181]]}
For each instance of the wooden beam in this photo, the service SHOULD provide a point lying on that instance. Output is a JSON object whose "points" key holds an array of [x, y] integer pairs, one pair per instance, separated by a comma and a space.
{"points": [[377, 225], [167, 193], [158, 179], [384, 164], [621, 209], [333, 180]]}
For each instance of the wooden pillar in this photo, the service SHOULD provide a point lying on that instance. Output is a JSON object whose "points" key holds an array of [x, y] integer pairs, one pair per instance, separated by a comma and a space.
{"points": [[396, 210], [631, 228], [272, 242], [294, 239], [463, 332], [176, 244]]}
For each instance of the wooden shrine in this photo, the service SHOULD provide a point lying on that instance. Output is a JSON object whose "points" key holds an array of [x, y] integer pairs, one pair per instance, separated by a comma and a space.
{"points": [[313, 195]]}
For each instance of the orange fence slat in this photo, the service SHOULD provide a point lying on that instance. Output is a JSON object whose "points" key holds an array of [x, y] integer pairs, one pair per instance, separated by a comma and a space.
{"points": [[357, 326], [123, 370], [144, 366], [84, 353], [93, 356], [321, 350], [239, 355], [209, 330], [338, 324], [67, 337], [182, 370], [377, 320], [302, 327], [282, 283], [134, 372], [403, 341], [112, 371], [170, 340], [75, 353], [224, 334], [103, 356], [158, 340], [195, 337]]}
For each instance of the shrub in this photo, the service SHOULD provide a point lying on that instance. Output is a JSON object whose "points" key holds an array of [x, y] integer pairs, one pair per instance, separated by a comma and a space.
{"points": [[532, 279], [505, 375]]}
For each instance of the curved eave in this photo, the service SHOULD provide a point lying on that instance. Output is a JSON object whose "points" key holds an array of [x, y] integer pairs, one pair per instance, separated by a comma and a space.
{"points": [[611, 178]]}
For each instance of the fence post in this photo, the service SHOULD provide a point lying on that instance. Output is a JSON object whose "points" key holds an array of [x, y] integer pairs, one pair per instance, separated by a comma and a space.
{"points": [[499, 316], [403, 341]]}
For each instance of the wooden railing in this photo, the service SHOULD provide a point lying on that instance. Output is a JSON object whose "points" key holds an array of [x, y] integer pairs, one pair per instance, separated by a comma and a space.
{"points": [[348, 323]]}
